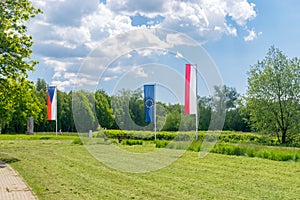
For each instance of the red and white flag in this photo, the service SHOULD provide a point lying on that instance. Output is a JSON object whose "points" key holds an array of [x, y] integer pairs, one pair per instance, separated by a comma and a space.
{"points": [[52, 103], [190, 100]]}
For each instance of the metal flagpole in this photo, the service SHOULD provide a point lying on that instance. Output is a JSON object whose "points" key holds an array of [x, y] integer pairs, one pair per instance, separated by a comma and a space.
{"points": [[56, 126], [154, 111], [196, 115], [56, 111]]}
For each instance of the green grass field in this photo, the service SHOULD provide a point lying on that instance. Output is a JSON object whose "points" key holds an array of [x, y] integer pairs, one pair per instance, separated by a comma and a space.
{"points": [[59, 169]]}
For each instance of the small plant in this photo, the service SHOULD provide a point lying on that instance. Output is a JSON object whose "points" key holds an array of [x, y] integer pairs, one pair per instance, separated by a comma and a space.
{"points": [[161, 143], [77, 141], [132, 142]]}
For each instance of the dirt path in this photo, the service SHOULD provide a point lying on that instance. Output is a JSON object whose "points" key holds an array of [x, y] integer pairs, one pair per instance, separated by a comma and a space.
{"points": [[12, 186]]}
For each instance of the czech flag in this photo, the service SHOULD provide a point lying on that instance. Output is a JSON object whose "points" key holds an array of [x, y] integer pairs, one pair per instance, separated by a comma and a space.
{"points": [[190, 100], [149, 103], [52, 102]]}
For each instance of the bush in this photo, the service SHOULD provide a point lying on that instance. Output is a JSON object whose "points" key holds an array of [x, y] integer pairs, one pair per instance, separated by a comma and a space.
{"points": [[160, 143], [195, 145], [132, 142], [77, 141]]}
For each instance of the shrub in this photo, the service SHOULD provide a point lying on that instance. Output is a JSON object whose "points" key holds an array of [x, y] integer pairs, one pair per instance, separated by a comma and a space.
{"points": [[132, 142], [77, 141], [195, 146], [160, 143]]}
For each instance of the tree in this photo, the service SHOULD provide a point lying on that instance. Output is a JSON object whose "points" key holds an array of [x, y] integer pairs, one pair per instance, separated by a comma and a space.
{"points": [[103, 109], [83, 114], [40, 89], [223, 100], [273, 95], [136, 108], [204, 109], [24, 105], [15, 44], [6, 104], [15, 51], [173, 118]]}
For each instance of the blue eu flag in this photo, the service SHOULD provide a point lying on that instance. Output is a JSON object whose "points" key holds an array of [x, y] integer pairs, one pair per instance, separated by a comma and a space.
{"points": [[149, 103]]}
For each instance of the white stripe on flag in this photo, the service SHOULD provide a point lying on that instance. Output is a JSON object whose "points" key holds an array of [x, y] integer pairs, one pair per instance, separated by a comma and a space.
{"points": [[54, 105], [193, 92], [190, 106]]}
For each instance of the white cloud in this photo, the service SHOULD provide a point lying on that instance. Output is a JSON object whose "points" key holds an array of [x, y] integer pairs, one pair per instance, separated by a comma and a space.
{"points": [[117, 69], [58, 66], [109, 78], [252, 35], [69, 29], [139, 72], [241, 11]]}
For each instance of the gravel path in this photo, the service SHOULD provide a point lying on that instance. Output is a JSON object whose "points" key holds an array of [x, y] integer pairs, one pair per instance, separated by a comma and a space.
{"points": [[12, 186]]}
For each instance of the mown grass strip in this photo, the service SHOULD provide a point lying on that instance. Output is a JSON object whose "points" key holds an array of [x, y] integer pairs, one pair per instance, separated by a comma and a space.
{"points": [[58, 169], [37, 137]]}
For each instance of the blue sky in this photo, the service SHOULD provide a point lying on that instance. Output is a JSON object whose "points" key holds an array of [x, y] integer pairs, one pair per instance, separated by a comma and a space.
{"points": [[234, 33]]}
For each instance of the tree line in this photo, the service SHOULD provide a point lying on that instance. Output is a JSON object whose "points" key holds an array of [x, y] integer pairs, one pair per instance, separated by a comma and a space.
{"points": [[270, 106], [124, 110]]}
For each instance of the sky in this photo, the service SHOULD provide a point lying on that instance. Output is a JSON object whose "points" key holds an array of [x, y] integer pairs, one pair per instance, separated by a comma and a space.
{"points": [[96, 44]]}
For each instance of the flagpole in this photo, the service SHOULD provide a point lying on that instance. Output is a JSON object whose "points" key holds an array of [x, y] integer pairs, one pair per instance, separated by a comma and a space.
{"points": [[154, 111], [56, 112], [56, 127], [196, 115]]}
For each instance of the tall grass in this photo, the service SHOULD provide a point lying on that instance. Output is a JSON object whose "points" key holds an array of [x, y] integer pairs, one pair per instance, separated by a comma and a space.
{"points": [[271, 153]]}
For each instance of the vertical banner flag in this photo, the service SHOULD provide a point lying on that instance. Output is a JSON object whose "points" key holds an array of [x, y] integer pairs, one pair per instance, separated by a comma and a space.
{"points": [[190, 100], [51, 102], [149, 103]]}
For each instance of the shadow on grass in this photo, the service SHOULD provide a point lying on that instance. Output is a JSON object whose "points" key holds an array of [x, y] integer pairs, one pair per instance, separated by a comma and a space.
{"points": [[4, 158]]}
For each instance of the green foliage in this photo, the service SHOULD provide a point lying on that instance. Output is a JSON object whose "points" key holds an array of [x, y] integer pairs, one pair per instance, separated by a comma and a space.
{"points": [[91, 109], [204, 109], [273, 95], [136, 107], [60, 166], [19, 137], [77, 141], [132, 142], [120, 107], [103, 110], [83, 114], [19, 103], [161, 143], [271, 153], [144, 135], [173, 118], [65, 114], [17, 99], [15, 48], [234, 121], [225, 137]]}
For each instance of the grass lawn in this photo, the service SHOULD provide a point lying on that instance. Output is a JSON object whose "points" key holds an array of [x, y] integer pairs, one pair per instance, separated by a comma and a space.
{"points": [[58, 169]]}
